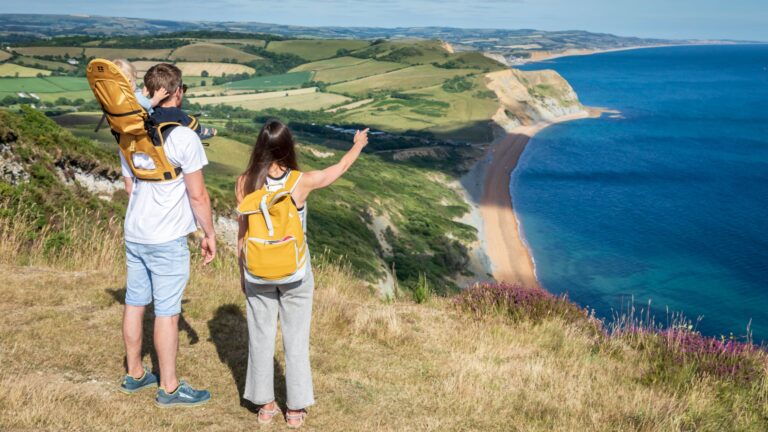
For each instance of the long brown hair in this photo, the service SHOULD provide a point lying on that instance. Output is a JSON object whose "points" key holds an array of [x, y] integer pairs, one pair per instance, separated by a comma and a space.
{"points": [[274, 145]]}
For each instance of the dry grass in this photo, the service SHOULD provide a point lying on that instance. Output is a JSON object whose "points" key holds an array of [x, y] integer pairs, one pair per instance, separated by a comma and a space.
{"points": [[50, 50], [301, 99], [128, 53], [390, 366]]}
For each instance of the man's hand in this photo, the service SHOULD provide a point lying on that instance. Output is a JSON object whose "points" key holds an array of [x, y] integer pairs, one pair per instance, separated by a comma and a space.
{"points": [[208, 249]]}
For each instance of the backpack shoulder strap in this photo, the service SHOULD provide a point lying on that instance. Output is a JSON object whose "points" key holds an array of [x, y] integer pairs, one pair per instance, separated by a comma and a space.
{"points": [[293, 180]]}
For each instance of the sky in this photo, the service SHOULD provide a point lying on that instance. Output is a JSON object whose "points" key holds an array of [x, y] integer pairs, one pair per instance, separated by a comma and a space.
{"points": [[683, 19]]}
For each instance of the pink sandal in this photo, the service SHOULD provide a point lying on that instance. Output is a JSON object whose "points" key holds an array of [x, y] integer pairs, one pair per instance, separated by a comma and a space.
{"points": [[268, 414], [300, 416]]}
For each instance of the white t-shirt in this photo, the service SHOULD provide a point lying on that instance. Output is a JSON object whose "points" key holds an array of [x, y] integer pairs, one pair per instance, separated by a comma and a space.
{"points": [[159, 212]]}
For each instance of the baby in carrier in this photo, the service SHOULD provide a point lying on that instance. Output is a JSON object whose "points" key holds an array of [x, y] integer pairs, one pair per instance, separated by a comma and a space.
{"points": [[152, 94], [141, 94]]}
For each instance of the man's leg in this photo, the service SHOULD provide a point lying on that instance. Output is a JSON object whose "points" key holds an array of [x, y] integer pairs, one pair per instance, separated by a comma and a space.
{"points": [[169, 265], [133, 318], [167, 345], [138, 294]]}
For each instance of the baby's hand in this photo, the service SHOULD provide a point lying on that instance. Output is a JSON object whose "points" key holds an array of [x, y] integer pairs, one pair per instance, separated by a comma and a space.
{"points": [[160, 95]]}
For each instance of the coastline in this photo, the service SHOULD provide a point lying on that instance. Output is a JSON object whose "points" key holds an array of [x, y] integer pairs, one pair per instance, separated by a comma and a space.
{"points": [[510, 258], [584, 52]]}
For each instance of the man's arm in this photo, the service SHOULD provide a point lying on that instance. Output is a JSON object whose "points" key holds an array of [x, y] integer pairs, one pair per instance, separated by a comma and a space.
{"points": [[128, 185], [201, 207]]}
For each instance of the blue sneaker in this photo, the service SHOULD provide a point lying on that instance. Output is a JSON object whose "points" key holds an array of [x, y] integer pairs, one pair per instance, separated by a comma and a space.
{"points": [[131, 385], [184, 395]]}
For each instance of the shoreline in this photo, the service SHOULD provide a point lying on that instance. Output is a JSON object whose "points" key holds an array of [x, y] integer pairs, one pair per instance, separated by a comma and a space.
{"points": [[510, 258], [585, 52]]}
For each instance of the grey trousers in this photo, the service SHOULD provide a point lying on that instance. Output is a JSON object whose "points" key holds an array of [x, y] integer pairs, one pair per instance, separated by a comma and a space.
{"points": [[292, 303]]}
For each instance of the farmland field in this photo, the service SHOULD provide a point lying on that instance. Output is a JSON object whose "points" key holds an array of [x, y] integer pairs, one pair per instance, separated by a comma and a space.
{"points": [[272, 82], [13, 70], [4, 55], [303, 99], [208, 52], [113, 53], [51, 51], [407, 51], [44, 85], [196, 68], [241, 42], [399, 80], [348, 68], [315, 49], [333, 63], [462, 115], [44, 64]]}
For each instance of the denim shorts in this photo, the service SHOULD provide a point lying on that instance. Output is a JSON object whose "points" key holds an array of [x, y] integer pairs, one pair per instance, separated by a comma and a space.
{"points": [[157, 273]]}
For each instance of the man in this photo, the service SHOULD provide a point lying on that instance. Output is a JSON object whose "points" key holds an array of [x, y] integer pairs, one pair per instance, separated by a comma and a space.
{"points": [[160, 216]]}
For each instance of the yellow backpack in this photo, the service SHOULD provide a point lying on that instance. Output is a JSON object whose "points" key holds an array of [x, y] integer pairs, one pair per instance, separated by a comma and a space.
{"points": [[130, 123], [275, 249]]}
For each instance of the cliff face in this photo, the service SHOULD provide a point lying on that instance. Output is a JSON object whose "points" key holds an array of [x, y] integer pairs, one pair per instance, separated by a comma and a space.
{"points": [[529, 97]]}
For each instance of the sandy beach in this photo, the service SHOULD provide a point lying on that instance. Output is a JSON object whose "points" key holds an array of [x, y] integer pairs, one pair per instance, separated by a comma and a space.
{"points": [[511, 261]]}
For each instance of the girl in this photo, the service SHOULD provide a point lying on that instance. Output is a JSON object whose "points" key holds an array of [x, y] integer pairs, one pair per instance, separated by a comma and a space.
{"points": [[273, 157]]}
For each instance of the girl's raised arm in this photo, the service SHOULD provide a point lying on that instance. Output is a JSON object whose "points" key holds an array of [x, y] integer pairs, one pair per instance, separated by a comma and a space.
{"points": [[321, 178]]}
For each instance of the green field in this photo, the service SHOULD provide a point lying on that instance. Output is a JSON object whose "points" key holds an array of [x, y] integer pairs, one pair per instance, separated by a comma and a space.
{"points": [[50, 51], [272, 82], [407, 51], [462, 116], [348, 68], [209, 52], [44, 85], [338, 62], [315, 49], [399, 80], [14, 70], [43, 64]]}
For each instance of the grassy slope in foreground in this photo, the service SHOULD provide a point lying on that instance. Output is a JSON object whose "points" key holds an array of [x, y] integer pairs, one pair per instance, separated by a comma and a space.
{"points": [[437, 368]]}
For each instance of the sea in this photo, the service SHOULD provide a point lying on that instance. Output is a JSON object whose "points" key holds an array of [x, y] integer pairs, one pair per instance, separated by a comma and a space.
{"points": [[665, 203]]}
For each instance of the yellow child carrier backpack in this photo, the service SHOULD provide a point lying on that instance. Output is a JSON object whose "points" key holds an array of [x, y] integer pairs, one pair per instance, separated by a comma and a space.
{"points": [[130, 123], [275, 250]]}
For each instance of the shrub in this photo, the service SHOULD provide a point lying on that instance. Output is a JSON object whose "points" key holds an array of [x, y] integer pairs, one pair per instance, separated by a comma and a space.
{"points": [[518, 303], [422, 292]]}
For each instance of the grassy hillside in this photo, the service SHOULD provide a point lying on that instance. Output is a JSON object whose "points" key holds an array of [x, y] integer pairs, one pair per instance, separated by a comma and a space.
{"points": [[203, 51], [315, 49], [421, 241], [493, 359], [399, 80]]}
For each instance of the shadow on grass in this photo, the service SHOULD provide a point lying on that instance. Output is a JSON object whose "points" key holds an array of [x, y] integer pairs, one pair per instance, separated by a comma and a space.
{"points": [[148, 340], [229, 332]]}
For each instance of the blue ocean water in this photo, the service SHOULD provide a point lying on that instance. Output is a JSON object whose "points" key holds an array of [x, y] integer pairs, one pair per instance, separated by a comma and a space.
{"points": [[669, 202]]}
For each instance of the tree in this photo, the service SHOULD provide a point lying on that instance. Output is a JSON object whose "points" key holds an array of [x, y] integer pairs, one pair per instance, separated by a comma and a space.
{"points": [[204, 74]]}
